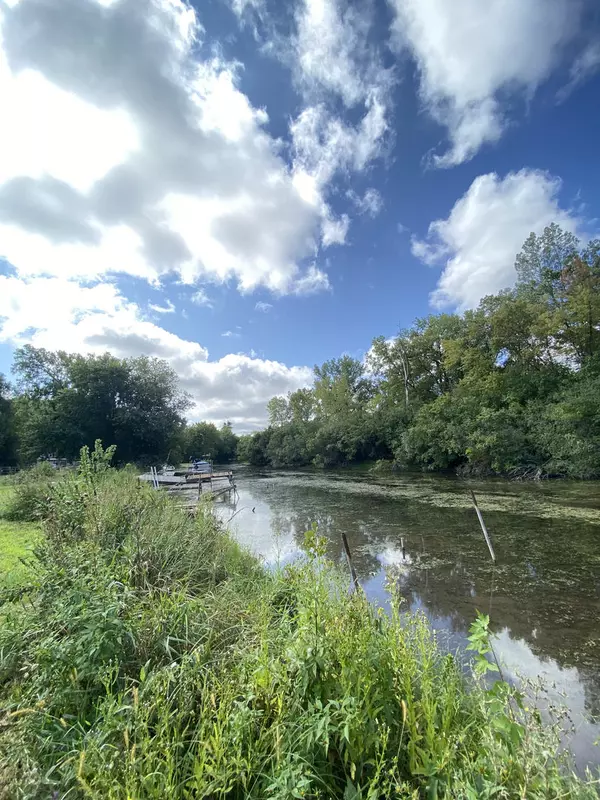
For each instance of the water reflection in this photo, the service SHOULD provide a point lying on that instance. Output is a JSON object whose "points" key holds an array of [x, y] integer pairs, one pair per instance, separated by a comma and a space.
{"points": [[543, 595]]}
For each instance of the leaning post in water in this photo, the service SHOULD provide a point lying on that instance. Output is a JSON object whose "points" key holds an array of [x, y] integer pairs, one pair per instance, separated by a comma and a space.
{"points": [[483, 528], [350, 564]]}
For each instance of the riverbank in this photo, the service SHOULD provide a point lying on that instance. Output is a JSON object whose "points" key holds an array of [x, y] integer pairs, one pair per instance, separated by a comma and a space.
{"points": [[154, 658]]}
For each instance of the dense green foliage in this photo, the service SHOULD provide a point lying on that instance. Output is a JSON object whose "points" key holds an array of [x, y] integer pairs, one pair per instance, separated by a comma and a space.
{"points": [[152, 658], [510, 388], [8, 440], [63, 402], [205, 440]]}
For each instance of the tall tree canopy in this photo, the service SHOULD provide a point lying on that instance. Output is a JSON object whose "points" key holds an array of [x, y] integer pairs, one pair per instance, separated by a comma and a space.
{"points": [[66, 401], [508, 387]]}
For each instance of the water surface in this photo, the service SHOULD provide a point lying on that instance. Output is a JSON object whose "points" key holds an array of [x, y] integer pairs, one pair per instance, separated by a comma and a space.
{"points": [[543, 595]]}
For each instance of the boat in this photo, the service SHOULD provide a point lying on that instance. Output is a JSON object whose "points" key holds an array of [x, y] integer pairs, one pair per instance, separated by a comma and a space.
{"points": [[199, 467]]}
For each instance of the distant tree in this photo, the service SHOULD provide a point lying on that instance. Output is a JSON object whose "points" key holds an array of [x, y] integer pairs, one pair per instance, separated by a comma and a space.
{"points": [[202, 440], [68, 401], [509, 387], [8, 440], [542, 259], [227, 444], [205, 440], [279, 411]]}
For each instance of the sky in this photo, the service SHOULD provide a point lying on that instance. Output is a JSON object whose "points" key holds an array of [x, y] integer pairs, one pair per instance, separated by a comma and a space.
{"points": [[247, 188]]}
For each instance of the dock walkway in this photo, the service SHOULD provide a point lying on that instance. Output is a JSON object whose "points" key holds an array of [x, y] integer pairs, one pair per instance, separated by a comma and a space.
{"points": [[189, 487]]}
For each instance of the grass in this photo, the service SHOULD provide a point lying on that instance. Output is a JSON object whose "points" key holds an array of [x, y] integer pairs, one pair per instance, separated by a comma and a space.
{"points": [[16, 541], [153, 659]]}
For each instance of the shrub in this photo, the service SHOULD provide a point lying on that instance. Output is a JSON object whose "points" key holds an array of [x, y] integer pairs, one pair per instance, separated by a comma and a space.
{"points": [[31, 490]]}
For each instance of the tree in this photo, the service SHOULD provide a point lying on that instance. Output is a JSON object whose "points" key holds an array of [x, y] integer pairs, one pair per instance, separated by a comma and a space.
{"points": [[278, 409], [227, 444], [542, 259], [68, 401], [201, 440], [340, 386], [506, 388], [8, 441]]}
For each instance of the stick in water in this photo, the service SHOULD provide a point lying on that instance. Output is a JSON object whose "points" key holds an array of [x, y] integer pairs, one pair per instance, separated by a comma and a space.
{"points": [[350, 564], [483, 528]]}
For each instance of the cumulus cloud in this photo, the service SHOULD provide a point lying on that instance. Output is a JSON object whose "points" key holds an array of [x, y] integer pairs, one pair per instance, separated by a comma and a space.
{"points": [[334, 53], [324, 145], [485, 230], [471, 56], [122, 151], [96, 319], [337, 66], [238, 387]]}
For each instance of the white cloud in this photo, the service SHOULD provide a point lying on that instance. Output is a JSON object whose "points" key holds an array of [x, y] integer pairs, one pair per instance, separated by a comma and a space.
{"points": [[334, 60], [471, 55], [231, 334], [121, 152], [263, 307], [324, 146], [238, 387], [241, 7], [98, 318], [333, 52], [585, 65], [93, 141], [169, 308], [312, 282], [334, 231], [485, 230], [200, 298], [370, 203]]}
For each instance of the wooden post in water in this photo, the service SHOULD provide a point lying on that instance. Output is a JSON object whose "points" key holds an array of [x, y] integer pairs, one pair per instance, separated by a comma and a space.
{"points": [[483, 528], [350, 564]]}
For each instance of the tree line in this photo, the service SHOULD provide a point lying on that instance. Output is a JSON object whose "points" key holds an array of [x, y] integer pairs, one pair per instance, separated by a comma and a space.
{"points": [[511, 387], [61, 402]]}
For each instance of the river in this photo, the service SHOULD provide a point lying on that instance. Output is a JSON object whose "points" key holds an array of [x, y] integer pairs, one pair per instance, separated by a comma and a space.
{"points": [[543, 594]]}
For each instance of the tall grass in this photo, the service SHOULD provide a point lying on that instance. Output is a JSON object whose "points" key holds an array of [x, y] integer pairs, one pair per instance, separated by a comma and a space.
{"points": [[152, 658]]}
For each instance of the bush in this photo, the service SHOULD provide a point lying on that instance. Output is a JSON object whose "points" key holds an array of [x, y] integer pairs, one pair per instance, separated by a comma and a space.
{"points": [[31, 490], [154, 659]]}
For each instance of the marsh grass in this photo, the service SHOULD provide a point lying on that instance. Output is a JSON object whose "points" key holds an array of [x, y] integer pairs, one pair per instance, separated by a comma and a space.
{"points": [[149, 657]]}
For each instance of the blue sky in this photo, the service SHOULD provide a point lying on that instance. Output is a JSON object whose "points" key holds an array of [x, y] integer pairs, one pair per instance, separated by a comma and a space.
{"points": [[247, 188]]}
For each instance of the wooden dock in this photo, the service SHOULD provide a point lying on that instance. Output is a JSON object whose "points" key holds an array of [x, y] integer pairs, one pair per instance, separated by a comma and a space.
{"points": [[189, 488]]}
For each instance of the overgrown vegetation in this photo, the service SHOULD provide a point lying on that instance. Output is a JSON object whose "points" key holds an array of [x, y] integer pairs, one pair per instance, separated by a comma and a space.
{"points": [[508, 388], [149, 658]]}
